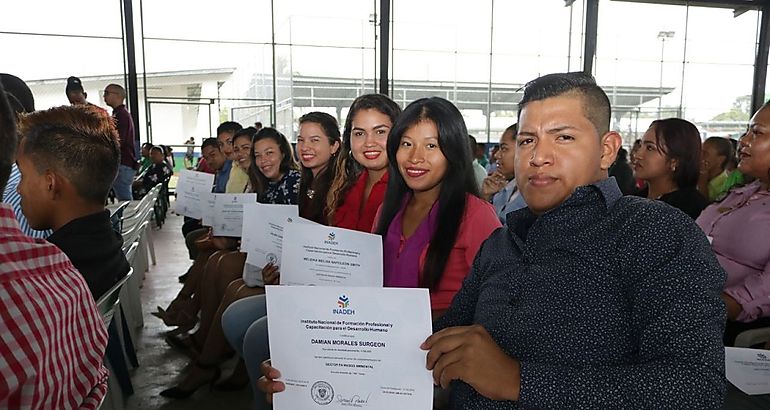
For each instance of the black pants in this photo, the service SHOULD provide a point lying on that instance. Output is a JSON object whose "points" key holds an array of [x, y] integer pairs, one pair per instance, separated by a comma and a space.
{"points": [[733, 329]]}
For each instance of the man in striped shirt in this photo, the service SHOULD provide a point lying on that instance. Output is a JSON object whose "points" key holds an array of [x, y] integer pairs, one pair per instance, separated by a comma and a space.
{"points": [[52, 338], [21, 100]]}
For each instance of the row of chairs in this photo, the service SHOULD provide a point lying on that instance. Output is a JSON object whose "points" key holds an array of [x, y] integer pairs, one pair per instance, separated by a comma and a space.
{"points": [[121, 306]]}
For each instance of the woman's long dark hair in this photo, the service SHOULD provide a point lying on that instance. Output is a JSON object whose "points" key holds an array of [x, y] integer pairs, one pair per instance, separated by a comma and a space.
{"points": [[458, 181], [256, 177], [315, 209], [348, 169]]}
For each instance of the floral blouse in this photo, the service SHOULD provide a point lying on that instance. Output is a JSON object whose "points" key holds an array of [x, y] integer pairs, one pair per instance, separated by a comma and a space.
{"points": [[283, 192]]}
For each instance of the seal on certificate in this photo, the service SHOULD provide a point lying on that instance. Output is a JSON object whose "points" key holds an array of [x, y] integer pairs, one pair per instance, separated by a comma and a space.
{"points": [[322, 393], [271, 258]]}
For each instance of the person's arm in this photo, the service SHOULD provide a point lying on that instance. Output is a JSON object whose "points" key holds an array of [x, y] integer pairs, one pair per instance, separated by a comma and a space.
{"points": [[752, 297]]}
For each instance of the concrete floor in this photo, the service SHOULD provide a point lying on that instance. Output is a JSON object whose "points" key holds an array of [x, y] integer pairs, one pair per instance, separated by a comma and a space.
{"points": [[160, 365]]}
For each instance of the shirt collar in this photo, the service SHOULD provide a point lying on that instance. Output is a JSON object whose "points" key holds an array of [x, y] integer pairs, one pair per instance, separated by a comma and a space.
{"points": [[82, 225], [607, 190], [747, 189]]}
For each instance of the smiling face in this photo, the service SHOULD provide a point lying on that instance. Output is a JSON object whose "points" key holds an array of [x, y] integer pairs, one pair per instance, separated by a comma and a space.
{"points": [[314, 148], [369, 137], [754, 147], [268, 157], [225, 141], [242, 151], [558, 150], [419, 158], [651, 163]]}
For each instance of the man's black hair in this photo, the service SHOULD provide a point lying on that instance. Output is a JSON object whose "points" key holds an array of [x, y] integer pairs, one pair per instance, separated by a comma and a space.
{"points": [[210, 142], [18, 93], [74, 84], [229, 126], [79, 142], [596, 105]]}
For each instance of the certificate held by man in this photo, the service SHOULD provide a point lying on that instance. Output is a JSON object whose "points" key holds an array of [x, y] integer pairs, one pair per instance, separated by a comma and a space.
{"points": [[191, 193], [228, 213], [350, 347]]}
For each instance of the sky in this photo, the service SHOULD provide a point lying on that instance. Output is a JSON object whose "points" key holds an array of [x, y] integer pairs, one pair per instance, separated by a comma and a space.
{"points": [[444, 40]]}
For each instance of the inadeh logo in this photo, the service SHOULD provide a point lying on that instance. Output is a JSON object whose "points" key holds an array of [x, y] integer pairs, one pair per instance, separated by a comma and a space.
{"points": [[330, 240], [343, 306], [343, 301]]}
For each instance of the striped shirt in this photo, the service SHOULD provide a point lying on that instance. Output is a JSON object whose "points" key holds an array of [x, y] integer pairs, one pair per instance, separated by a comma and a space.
{"points": [[52, 338], [12, 198]]}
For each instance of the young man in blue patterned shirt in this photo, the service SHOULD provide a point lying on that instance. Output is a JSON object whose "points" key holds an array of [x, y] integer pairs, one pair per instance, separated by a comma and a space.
{"points": [[587, 299]]}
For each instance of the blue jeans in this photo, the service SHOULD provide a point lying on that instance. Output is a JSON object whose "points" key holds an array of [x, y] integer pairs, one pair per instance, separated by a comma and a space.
{"points": [[122, 184], [245, 325]]}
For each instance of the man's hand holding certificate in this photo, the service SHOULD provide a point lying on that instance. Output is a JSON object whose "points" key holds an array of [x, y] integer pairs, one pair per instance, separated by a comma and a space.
{"points": [[350, 347]]}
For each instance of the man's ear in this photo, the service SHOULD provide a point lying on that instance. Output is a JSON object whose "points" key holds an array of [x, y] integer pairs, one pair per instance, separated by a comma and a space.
{"points": [[610, 144], [55, 185]]}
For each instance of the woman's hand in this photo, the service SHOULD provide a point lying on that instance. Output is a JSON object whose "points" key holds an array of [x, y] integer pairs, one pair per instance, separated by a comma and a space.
{"points": [[270, 274]]}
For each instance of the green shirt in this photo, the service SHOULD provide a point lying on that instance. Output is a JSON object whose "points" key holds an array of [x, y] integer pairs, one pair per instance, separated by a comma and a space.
{"points": [[722, 183]]}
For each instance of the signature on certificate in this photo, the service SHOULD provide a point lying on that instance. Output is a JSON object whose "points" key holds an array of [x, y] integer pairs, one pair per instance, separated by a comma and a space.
{"points": [[355, 401]]}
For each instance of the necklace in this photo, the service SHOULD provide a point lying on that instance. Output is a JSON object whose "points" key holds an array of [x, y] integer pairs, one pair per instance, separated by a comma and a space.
{"points": [[310, 193]]}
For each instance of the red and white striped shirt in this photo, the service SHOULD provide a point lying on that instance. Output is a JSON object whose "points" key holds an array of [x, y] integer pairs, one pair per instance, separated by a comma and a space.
{"points": [[52, 338]]}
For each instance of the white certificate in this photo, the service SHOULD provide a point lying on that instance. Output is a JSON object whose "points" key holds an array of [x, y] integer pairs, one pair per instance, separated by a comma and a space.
{"points": [[342, 348], [326, 256], [191, 193], [207, 216], [228, 213], [263, 231], [747, 369]]}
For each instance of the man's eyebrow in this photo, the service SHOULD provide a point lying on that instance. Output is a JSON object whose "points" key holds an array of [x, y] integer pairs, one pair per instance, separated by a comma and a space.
{"points": [[560, 128], [554, 130]]}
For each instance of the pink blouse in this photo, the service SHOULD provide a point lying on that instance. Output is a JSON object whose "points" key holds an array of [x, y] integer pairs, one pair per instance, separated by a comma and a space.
{"points": [[739, 230], [478, 222]]}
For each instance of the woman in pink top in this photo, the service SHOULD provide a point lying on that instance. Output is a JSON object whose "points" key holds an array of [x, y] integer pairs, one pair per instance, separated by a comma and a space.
{"points": [[738, 228], [432, 221]]}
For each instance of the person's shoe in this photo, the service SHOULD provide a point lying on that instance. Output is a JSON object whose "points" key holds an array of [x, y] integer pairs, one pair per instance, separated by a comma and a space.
{"points": [[177, 392]]}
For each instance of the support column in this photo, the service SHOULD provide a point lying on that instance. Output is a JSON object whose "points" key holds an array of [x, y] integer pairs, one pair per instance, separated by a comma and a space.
{"points": [[592, 25], [384, 46], [132, 87], [760, 63]]}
